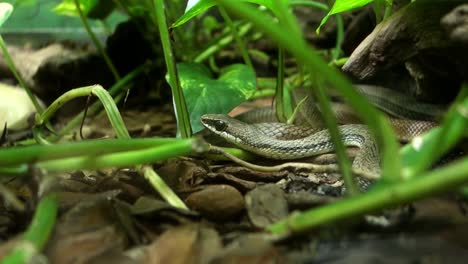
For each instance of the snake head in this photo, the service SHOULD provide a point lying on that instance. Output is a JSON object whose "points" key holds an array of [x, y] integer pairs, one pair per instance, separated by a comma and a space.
{"points": [[224, 126], [215, 123]]}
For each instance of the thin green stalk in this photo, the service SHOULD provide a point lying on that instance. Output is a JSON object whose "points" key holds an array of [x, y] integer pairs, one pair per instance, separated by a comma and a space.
{"points": [[339, 37], [388, 8], [212, 64], [235, 34], [423, 151], [340, 62], [10, 198], [18, 76], [437, 181], [263, 93], [16, 170], [279, 96], [125, 159], [106, 100], [283, 13], [221, 44], [305, 55], [35, 153], [310, 3], [38, 232], [96, 42], [331, 123], [339, 24], [378, 5], [180, 107], [97, 106], [165, 191]]}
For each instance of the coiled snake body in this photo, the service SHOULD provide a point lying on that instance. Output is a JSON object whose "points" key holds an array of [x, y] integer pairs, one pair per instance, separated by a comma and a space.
{"points": [[283, 141]]}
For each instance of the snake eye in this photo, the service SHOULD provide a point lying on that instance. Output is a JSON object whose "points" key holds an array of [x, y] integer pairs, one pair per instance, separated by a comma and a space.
{"points": [[219, 125]]}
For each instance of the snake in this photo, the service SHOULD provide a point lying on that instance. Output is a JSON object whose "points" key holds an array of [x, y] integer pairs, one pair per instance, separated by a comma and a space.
{"points": [[281, 141]]}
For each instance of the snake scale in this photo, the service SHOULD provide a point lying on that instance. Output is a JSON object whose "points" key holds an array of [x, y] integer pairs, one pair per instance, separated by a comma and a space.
{"points": [[309, 138]]}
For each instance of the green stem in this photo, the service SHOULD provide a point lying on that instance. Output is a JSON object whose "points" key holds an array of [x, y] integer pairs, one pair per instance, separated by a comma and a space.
{"points": [[262, 93], [124, 159], [423, 151], [279, 97], [235, 34], [165, 191], [388, 8], [339, 37], [331, 123], [183, 120], [97, 106], [96, 42], [35, 153], [38, 232], [221, 44], [106, 100], [315, 4], [18, 76], [285, 17]]}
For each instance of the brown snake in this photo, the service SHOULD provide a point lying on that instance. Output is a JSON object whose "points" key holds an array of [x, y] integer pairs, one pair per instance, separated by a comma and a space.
{"points": [[283, 141]]}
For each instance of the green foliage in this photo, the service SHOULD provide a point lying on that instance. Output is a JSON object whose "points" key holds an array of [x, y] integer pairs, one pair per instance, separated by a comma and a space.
{"points": [[25, 3], [136, 7], [91, 8], [342, 6], [5, 12], [205, 94], [203, 5], [68, 7]]}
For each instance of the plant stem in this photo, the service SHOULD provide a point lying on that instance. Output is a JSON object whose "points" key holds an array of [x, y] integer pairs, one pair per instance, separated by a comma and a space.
{"points": [[35, 153], [183, 120], [96, 42], [310, 3], [38, 232], [221, 43], [279, 96], [332, 125], [165, 191], [124, 159], [97, 106], [18, 76], [106, 100], [339, 37], [388, 8], [235, 34], [423, 151]]}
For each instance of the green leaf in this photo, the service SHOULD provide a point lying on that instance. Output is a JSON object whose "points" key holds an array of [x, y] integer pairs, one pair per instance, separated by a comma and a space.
{"points": [[203, 5], [25, 3], [101, 10], [205, 94], [68, 7], [343, 6], [5, 12]]}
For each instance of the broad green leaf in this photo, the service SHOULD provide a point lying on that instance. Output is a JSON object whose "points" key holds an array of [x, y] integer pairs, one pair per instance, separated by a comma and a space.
{"points": [[343, 6], [25, 2], [91, 8], [203, 5], [205, 94], [5, 12], [68, 7]]}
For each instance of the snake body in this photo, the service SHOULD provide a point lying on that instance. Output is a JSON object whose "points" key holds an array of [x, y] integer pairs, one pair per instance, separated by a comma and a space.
{"points": [[260, 139], [283, 141]]}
